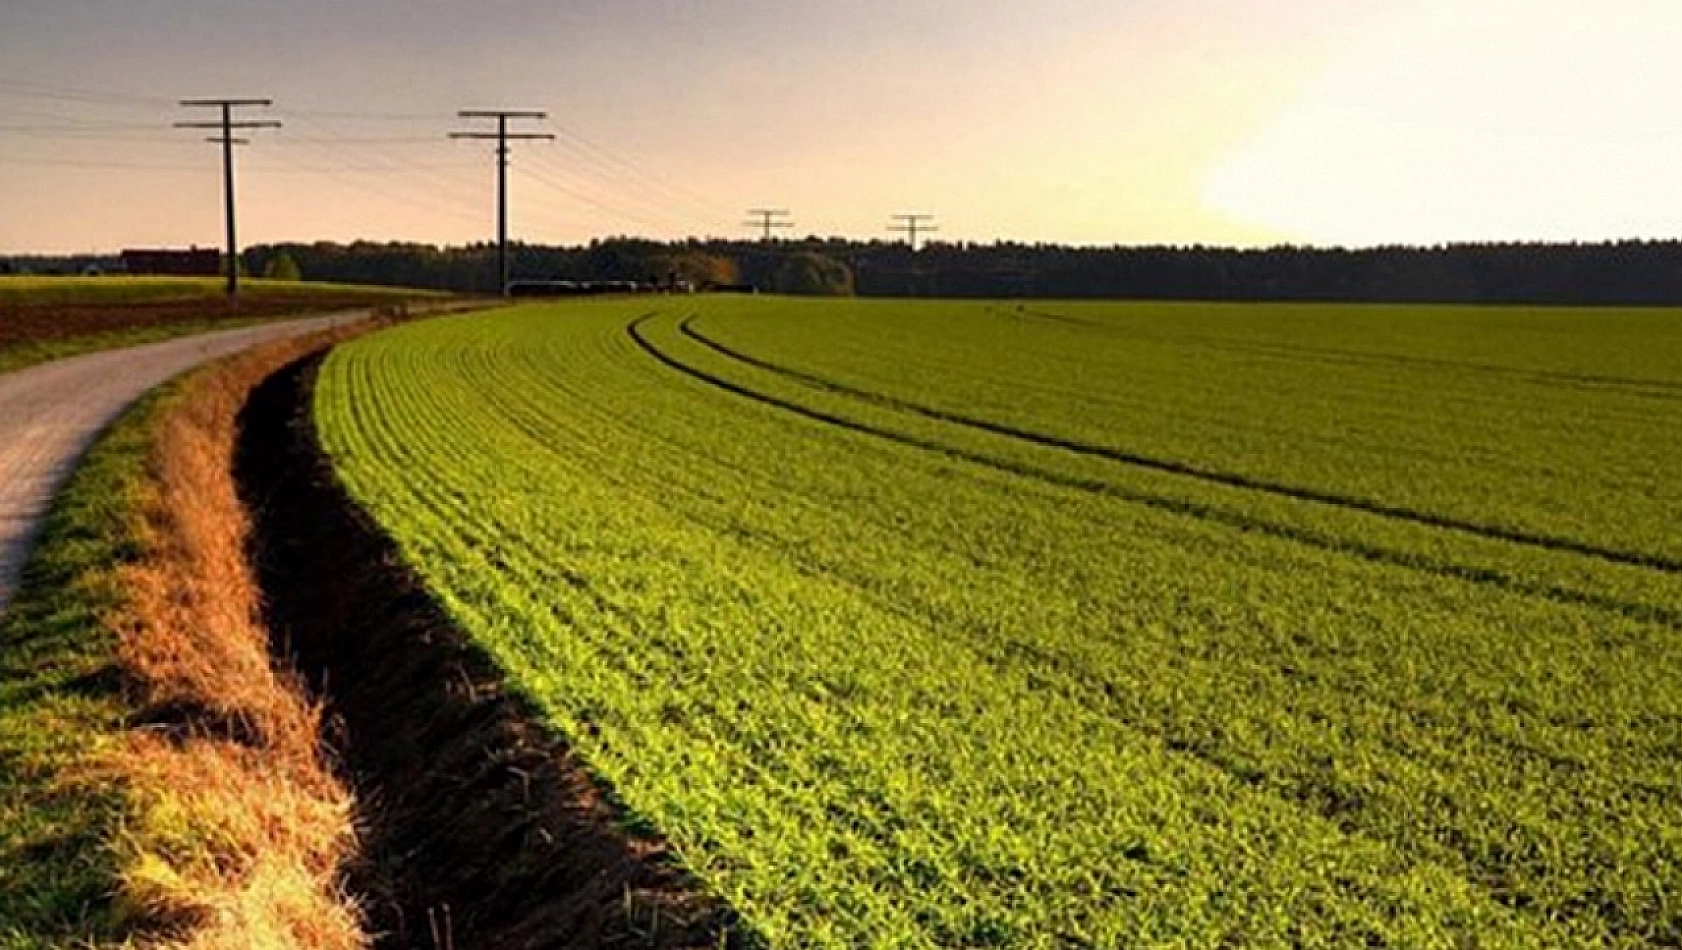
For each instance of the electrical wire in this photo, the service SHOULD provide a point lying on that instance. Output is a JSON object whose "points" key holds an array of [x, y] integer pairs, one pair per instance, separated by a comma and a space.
{"points": [[51, 92], [70, 124], [103, 166], [634, 206], [609, 160], [369, 116], [375, 153], [85, 135], [632, 193], [532, 175], [420, 200], [349, 169], [338, 140]]}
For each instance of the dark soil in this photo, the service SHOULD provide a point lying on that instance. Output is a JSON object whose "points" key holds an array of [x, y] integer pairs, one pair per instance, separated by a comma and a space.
{"points": [[481, 829], [34, 323]]}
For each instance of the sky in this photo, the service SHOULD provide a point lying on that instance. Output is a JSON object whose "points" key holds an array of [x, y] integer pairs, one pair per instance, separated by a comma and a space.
{"points": [[1228, 122]]}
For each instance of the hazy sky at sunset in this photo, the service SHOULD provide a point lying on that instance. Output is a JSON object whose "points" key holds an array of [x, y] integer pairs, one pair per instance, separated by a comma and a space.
{"points": [[1084, 121]]}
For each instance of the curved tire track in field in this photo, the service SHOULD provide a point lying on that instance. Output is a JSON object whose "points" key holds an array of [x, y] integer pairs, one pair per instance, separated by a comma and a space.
{"points": [[1324, 802], [1665, 389], [1642, 388], [1379, 555], [1187, 470]]}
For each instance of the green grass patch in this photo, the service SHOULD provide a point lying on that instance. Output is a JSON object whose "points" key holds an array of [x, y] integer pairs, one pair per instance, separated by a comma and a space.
{"points": [[927, 624], [61, 703]]}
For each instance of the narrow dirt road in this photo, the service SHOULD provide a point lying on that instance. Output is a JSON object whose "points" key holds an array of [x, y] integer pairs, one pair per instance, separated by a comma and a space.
{"points": [[50, 414]]}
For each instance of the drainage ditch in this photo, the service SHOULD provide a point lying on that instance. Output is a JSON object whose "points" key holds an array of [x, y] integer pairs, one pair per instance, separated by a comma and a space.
{"points": [[480, 827]]}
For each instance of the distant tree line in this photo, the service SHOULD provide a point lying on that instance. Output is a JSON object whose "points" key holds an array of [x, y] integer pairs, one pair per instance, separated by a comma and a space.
{"points": [[1628, 272]]}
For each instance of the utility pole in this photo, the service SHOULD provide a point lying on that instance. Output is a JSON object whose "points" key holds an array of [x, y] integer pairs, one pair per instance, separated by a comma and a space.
{"points": [[913, 225], [502, 137], [227, 126], [769, 220]]}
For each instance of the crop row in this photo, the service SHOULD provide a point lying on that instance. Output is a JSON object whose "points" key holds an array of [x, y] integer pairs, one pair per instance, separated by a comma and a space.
{"points": [[885, 677]]}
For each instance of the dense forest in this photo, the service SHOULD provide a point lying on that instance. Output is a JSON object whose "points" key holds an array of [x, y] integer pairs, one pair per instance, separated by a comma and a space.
{"points": [[1630, 272]]}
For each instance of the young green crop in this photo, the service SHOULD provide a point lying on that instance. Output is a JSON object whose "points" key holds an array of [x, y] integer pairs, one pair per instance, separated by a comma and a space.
{"points": [[940, 624]]}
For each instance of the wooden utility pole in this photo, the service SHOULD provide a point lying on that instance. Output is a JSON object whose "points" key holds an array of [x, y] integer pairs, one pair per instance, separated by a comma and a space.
{"points": [[768, 221], [502, 137], [227, 126], [913, 225]]}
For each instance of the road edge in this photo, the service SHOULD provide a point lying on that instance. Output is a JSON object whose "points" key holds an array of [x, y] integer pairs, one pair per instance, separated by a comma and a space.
{"points": [[164, 781]]}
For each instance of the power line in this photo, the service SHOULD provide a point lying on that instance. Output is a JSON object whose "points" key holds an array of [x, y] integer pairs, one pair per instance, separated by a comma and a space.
{"points": [[28, 89], [340, 140], [84, 135], [228, 127], [634, 204], [54, 163], [502, 137], [913, 225], [371, 152], [442, 192], [80, 125], [370, 169], [58, 113], [634, 173], [418, 198], [367, 116], [770, 220], [554, 183]]}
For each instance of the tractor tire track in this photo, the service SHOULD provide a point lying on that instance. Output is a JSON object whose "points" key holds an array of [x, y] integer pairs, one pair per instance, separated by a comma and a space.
{"points": [[1645, 388], [1212, 476], [1650, 613]]}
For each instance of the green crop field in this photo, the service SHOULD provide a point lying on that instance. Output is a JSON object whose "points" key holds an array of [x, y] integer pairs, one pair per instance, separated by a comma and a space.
{"points": [[1062, 625]]}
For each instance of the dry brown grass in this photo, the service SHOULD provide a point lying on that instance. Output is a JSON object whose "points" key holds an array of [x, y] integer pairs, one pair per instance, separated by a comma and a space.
{"points": [[240, 828]]}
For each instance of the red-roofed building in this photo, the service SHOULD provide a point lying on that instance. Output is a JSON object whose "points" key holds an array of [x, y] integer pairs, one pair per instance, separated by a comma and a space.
{"points": [[193, 262]]}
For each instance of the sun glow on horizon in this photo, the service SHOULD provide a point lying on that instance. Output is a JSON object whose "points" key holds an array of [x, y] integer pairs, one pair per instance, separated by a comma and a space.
{"points": [[1455, 121], [1086, 122]]}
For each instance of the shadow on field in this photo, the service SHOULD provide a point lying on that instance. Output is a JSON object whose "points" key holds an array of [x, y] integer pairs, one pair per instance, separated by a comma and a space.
{"points": [[481, 830]]}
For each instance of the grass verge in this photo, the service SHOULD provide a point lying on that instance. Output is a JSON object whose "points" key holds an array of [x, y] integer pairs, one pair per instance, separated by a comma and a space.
{"points": [[160, 781]]}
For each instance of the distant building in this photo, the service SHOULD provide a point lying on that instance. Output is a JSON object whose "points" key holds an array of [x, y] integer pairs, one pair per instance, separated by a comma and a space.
{"points": [[193, 262]]}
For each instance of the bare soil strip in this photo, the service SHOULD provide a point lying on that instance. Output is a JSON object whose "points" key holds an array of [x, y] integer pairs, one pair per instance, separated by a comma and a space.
{"points": [[30, 323], [482, 829]]}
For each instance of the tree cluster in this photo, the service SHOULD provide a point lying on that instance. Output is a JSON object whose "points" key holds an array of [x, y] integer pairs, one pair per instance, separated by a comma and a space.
{"points": [[1629, 272]]}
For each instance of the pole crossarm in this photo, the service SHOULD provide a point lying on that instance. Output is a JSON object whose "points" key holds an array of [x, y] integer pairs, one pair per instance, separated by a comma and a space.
{"points": [[768, 220], [502, 114], [235, 103], [912, 225], [247, 124]]}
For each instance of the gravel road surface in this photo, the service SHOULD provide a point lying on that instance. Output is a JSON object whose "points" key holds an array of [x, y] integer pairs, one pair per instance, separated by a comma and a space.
{"points": [[50, 414]]}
